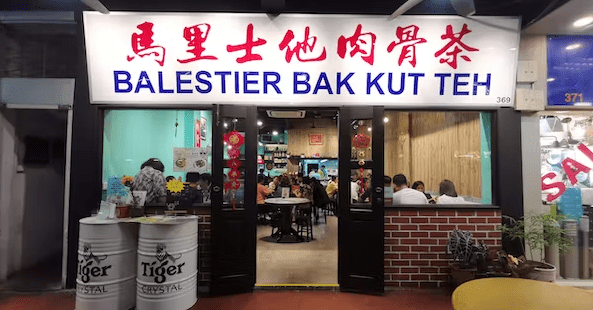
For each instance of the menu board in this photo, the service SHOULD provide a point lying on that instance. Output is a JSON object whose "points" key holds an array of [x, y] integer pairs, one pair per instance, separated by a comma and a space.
{"points": [[192, 159]]}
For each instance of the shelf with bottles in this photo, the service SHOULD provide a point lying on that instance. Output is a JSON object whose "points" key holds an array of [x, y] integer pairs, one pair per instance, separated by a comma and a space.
{"points": [[277, 153]]}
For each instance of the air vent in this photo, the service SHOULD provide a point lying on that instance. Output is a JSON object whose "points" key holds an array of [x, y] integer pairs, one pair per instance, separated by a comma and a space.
{"points": [[286, 114]]}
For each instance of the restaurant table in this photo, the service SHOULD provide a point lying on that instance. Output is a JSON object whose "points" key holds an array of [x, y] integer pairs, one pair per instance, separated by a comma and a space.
{"points": [[514, 293], [286, 234]]}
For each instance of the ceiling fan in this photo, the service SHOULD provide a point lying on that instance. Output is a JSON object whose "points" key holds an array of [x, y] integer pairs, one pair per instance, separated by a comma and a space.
{"points": [[462, 7]]}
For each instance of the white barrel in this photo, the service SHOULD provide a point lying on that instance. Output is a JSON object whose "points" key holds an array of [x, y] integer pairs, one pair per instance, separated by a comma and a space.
{"points": [[106, 272], [168, 265]]}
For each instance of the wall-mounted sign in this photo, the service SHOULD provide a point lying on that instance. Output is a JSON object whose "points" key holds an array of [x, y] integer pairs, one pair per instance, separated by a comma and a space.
{"points": [[198, 133], [315, 139], [156, 58], [570, 71]]}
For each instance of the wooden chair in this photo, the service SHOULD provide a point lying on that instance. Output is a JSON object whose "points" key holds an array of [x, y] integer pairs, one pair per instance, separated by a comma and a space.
{"points": [[303, 220]]}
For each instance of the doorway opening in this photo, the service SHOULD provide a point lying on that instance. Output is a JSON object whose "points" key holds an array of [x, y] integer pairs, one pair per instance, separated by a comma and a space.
{"points": [[32, 205], [297, 230]]}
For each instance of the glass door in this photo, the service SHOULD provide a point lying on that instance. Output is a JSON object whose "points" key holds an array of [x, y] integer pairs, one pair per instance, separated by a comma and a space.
{"points": [[360, 226]]}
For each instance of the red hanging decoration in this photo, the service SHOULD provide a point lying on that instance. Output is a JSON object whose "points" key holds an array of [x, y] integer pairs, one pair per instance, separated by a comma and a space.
{"points": [[235, 184], [234, 174], [234, 153], [233, 163], [361, 141], [234, 138]]}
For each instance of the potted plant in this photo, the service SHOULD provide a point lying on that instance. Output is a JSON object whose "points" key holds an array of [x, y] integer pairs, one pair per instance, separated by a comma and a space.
{"points": [[469, 258], [542, 230]]}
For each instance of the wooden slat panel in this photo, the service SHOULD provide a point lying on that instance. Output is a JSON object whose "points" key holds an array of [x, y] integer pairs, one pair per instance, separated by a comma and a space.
{"points": [[397, 144], [298, 139], [441, 145]]}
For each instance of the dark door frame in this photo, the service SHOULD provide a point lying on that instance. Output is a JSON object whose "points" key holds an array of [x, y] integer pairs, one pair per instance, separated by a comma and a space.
{"points": [[360, 230], [233, 236]]}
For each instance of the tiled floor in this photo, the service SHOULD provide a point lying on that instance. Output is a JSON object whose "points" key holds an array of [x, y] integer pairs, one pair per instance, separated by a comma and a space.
{"points": [[264, 300], [45, 276], [314, 262]]}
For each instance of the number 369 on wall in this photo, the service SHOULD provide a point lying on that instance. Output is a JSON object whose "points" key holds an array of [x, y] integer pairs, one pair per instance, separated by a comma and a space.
{"points": [[573, 97]]}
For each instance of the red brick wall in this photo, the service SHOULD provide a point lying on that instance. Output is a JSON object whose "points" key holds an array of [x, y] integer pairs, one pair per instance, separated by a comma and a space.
{"points": [[415, 242]]}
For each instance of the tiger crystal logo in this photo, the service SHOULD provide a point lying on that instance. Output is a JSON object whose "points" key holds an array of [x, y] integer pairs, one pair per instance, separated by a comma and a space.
{"points": [[163, 266], [90, 265]]}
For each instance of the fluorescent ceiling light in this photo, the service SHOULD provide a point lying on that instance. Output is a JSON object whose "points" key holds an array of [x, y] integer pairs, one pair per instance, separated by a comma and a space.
{"points": [[573, 46], [551, 79], [583, 21]]}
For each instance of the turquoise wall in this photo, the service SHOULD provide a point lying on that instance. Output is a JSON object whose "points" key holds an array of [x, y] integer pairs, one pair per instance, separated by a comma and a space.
{"points": [[131, 137], [486, 156]]}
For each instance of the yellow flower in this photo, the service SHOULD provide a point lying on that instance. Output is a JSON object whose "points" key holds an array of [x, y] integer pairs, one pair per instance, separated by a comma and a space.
{"points": [[175, 186], [127, 180]]}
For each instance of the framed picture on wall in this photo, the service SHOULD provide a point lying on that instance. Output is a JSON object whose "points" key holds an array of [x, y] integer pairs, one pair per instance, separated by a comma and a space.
{"points": [[198, 133], [315, 139], [203, 128]]}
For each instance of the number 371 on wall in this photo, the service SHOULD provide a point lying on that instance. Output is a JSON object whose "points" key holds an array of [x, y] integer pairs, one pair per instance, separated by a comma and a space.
{"points": [[573, 97]]}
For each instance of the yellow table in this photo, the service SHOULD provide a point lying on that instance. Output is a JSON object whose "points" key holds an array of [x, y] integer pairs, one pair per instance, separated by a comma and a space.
{"points": [[519, 294]]}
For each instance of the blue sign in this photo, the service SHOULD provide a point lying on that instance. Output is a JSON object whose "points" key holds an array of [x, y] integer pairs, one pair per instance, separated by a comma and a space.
{"points": [[115, 188], [570, 70], [571, 203]]}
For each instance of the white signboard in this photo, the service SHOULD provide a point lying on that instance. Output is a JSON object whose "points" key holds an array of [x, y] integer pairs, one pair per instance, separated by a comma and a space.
{"points": [[193, 58]]}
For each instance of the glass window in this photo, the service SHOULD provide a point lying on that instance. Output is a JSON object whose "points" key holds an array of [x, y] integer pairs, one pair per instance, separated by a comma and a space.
{"points": [[180, 139], [444, 155], [361, 163], [566, 142], [234, 162]]}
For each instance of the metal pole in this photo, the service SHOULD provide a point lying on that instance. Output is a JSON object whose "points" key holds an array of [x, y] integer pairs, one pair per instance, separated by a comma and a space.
{"points": [[584, 247], [553, 256], [67, 198], [571, 257]]}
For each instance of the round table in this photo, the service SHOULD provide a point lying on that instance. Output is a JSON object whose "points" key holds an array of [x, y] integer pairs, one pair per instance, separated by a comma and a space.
{"points": [[286, 234], [514, 293]]}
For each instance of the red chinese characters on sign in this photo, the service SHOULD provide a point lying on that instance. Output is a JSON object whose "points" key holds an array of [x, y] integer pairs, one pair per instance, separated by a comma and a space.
{"points": [[452, 48], [142, 44], [363, 43], [196, 36], [302, 49], [247, 46], [407, 39]]}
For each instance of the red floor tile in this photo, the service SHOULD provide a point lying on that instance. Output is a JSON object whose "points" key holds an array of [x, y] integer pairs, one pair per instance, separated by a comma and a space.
{"points": [[264, 300]]}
